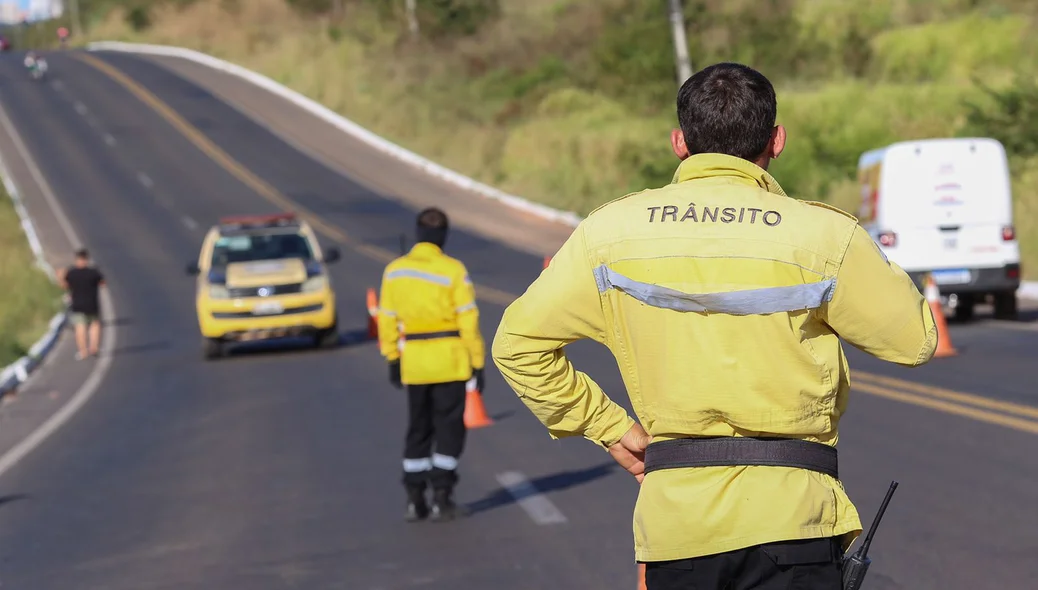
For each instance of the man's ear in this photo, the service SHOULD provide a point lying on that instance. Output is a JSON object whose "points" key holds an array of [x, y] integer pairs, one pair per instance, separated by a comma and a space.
{"points": [[677, 143], [778, 141]]}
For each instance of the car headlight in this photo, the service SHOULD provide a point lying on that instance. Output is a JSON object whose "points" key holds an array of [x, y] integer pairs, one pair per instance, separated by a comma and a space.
{"points": [[315, 284], [219, 292]]}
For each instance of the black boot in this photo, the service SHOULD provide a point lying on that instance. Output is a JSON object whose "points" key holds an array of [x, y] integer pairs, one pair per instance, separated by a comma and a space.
{"points": [[417, 509], [443, 507]]}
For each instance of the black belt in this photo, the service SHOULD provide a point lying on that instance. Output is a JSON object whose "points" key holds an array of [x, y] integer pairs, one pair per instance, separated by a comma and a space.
{"points": [[729, 451], [433, 335]]}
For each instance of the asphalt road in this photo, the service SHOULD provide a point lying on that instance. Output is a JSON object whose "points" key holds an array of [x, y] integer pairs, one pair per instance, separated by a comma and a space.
{"points": [[280, 468]]}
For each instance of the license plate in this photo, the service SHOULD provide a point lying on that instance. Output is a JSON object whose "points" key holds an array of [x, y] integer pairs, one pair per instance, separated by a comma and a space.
{"points": [[951, 277], [267, 308]]}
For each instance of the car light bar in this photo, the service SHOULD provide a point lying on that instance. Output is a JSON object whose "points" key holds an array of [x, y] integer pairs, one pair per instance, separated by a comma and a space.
{"points": [[276, 219]]}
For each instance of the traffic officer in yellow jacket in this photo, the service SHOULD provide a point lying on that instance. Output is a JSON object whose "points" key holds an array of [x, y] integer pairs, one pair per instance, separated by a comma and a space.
{"points": [[428, 328], [724, 302]]}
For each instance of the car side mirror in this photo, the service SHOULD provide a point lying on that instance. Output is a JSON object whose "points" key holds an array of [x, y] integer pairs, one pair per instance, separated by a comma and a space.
{"points": [[192, 268], [332, 255]]}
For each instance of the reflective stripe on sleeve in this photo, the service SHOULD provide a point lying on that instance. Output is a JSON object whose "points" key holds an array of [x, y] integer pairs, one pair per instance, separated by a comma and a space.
{"points": [[746, 302], [406, 273], [444, 462], [465, 308], [417, 465]]}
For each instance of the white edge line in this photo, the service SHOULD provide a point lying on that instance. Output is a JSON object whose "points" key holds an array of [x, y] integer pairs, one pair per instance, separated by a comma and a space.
{"points": [[109, 139], [145, 180], [190, 223], [1028, 289], [536, 505], [87, 389]]}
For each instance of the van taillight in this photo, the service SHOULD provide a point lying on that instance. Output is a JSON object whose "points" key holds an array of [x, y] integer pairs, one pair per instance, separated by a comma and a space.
{"points": [[1013, 271], [888, 239], [1008, 233]]}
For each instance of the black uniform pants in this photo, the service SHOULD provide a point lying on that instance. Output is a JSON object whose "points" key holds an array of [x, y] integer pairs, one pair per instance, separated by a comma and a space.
{"points": [[435, 434], [814, 564]]}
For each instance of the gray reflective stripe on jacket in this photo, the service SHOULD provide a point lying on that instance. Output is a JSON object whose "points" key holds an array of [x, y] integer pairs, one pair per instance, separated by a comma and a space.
{"points": [[420, 275], [746, 302]]}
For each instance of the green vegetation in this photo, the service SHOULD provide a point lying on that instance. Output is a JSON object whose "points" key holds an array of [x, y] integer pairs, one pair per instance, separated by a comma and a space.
{"points": [[27, 308], [569, 102]]}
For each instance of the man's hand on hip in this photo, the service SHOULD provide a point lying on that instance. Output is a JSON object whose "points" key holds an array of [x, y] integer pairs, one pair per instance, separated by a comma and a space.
{"points": [[630, 451]]}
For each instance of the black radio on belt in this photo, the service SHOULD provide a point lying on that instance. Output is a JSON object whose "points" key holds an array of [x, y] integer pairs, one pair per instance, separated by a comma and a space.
{"points": [[856, 565]]}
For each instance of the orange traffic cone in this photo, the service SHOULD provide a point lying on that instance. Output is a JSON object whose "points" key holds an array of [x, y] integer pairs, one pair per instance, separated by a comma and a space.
{"points": [[475, 414], [641, 577], [933, 297], [372, 314]]}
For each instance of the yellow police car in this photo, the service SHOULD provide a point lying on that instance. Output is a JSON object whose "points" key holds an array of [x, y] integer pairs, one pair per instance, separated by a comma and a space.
{"points": [[262, 277]]}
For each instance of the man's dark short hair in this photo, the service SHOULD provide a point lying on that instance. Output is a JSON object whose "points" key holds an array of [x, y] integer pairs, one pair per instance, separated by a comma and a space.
{"points": [[432, 218], [82, 254], [727, 108], [433, 226]]}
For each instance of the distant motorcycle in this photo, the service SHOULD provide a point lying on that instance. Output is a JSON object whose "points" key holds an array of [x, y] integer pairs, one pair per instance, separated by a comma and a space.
{"points": [[37, 67]]}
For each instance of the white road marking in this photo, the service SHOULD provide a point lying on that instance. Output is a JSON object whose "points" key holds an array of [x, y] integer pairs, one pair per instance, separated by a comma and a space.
{"points": [[58, 85], [190, 223], [537, 506], [1011, 325], [145, 180], [109, 139], [93, 123], [93, 381], [80, 108]]}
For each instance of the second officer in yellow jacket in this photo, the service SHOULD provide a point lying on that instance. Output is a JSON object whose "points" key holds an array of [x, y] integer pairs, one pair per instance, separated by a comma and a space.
{"points": [[428, 328]]}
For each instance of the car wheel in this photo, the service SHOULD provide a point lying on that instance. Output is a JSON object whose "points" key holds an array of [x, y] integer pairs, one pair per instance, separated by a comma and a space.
{"points": [[329, 337], [1005, 305], [212, 348]]}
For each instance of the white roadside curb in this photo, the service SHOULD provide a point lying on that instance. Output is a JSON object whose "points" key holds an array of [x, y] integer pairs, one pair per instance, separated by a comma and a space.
{"points": [[18, 372], [1028, 290]]}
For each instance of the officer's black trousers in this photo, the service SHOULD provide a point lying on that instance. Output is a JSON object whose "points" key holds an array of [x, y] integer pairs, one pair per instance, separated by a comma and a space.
{"points": [[815, 564], [435, 434]]}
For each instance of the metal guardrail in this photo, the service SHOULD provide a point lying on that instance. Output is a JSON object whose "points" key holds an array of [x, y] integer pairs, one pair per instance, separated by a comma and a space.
{"points": [[17, 373]]}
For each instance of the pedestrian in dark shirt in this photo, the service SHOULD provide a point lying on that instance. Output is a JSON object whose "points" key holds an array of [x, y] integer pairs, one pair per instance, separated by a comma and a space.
{"points": [[83, 282]]}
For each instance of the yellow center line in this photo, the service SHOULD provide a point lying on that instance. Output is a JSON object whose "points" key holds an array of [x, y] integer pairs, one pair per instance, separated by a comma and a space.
{"points": [[1021, 424], [945, 394], [261, 187], [951, 402]]}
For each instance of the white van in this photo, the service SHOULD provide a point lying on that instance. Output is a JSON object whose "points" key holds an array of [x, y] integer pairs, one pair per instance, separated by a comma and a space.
{"points": [[944, 206]]}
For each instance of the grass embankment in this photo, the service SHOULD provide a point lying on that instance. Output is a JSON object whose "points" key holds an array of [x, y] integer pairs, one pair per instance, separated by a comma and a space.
{"points": [[29, 299], [569, 102]]}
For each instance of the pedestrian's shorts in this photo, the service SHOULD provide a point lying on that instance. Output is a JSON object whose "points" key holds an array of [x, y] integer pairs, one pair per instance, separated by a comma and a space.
{"points": [[79, 318]]}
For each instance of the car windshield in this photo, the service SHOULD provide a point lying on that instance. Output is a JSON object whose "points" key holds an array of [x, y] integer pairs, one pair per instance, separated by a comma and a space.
{"points": [[254, 247]]}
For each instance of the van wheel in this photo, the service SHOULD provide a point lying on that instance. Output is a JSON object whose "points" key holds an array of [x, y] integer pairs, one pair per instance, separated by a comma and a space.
{"points": [[212, 348], [1005, 305], [964, 309], [329, 337]]}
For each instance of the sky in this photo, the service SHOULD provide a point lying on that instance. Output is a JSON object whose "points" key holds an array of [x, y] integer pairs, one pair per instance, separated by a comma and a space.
{"points": [[22, 4]]}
